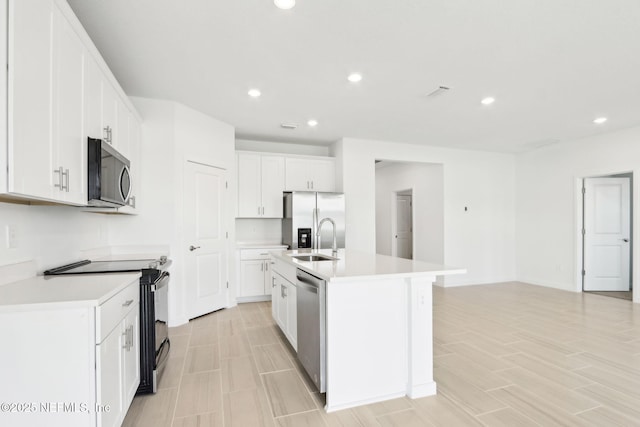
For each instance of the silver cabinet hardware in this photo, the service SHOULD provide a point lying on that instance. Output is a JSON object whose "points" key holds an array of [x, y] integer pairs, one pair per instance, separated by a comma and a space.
{"points": [[273, 282], [59, 172], [193, 248], [107, 134], [262, 266], [263, 210], [132, 202], [127, 303], [258, 210], [312, 185], [125, 335], [65, 179]]}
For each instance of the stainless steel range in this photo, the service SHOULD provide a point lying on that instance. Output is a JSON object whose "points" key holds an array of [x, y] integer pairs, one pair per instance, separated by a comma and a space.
{"points": [[154, 308]]}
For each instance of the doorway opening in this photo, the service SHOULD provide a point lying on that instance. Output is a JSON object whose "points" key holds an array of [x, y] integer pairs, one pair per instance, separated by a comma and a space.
{"points": [[607, 230], [402, 225], [417, 189]]}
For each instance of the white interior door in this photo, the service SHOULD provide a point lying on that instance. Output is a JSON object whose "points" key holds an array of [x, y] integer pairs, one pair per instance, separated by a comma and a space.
{"points": [[206, 241], [404, 227], [607, 234]]}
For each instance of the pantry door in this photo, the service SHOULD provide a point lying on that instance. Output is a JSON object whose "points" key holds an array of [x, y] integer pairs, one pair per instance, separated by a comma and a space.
{"points": [[206, 238], [607, 234]]}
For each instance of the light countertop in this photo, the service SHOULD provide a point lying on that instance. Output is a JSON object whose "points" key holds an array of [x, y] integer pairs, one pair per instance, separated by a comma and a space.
{"points": [[84, 290], [248, 245], [353, 265]]}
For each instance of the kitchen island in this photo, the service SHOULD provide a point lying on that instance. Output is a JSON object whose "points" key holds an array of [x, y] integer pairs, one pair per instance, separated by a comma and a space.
{"points": [[378, 323]]}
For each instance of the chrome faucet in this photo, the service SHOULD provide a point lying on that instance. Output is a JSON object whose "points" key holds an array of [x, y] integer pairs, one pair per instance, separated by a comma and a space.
{"points": [[334, 246]]}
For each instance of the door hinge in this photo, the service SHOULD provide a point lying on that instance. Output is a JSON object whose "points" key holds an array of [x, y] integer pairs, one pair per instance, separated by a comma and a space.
{"points": [[583, 272], [584, 190], [584, 231]]}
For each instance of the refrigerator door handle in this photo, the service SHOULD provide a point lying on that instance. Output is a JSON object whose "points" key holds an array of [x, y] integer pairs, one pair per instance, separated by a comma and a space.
{"points": [[314, 230]]}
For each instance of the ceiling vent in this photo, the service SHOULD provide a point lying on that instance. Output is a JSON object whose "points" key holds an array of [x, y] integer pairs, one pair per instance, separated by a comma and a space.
{"points": [[440, 90], [290, 126]]}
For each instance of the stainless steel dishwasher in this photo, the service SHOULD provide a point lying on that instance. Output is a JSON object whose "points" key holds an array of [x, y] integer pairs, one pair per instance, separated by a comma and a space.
{"points": [[311, 314]]}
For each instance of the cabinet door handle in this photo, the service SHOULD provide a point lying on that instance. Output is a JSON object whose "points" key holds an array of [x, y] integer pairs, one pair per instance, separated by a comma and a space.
{"points": [[258, 210], [127, 303], [262, 266], [65, 179], [273, 282], [312, 185], [107, 131], [131, 338], [263, 211], [59, 172], [266, 266]]}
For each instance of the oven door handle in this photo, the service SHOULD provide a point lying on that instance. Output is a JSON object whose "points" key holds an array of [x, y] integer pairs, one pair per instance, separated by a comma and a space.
{"points": [[161, 282]]}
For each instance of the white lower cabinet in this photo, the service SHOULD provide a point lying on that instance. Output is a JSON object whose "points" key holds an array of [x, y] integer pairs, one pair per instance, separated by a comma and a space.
{"points": [[118, 369], [71, 365], [284, 307], [255, 274]]}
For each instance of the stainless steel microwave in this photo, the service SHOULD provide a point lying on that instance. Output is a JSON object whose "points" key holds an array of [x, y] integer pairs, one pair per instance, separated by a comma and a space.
{"points": [[108, 175]]}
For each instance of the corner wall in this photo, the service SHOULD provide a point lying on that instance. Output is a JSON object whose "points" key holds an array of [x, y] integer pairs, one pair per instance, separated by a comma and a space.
{"points": [[171, 135], [548, 204], [482, 239]]}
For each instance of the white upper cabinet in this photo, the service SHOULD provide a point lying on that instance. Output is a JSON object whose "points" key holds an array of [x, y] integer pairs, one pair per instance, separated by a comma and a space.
{"points": [[30, 98], [58, 92], [260, 185], [70, 148], [46, 150], [304, 174]]}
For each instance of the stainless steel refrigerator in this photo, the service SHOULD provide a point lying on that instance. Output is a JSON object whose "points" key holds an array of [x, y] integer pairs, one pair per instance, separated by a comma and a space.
{"points": [[303, 211]]}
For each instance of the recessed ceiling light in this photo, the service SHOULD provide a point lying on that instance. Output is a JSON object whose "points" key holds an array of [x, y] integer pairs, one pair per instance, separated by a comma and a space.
{"points": [[312, 123], [254, 93], [354, 77], [284, 4], [488, 100], [600, 120]]}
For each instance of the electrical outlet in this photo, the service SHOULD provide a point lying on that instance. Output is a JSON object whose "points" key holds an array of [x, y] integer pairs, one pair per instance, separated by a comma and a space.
{"points": [[12, 238]]}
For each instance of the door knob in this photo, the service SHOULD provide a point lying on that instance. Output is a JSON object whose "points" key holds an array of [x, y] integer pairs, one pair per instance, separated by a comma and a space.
{"points": [[625, 240], [193, 248]]}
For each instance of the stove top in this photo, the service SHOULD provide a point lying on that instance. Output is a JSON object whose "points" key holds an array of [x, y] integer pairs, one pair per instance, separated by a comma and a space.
{"points": [[112, 266]]}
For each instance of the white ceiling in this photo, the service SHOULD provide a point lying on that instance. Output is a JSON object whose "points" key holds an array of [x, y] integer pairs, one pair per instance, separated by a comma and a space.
{"points": [[553, 66]]}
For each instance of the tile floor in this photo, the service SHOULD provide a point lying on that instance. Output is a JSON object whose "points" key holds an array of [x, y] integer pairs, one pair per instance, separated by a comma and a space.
{"points": [[505, 355]]}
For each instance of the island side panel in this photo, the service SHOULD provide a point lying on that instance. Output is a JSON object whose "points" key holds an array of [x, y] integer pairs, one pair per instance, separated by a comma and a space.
{"points": [[420, 325], [367, 341]]}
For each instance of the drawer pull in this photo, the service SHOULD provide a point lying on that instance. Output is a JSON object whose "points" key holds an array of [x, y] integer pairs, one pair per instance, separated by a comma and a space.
{"points": [[127, 303]]}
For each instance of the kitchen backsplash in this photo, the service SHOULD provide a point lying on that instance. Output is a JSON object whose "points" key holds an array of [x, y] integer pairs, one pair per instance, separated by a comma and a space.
{"points": [[250, 230]]}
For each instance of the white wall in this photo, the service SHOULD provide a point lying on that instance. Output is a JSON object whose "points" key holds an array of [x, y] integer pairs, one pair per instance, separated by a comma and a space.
{"points": [[258, 230], [171, 135], [282, 147], [548, 204], [427, 184], [482, 239], [50, 235]]}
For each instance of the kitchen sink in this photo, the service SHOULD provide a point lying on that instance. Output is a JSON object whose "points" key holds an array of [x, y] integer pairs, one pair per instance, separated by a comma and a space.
{"points": [[314, 257]]}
